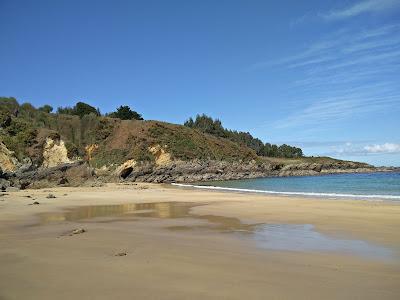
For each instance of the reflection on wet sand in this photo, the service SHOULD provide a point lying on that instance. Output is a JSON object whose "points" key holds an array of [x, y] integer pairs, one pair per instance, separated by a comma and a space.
{"points": [[281, 237], [219, 223], [163, 210], [152, 210]]}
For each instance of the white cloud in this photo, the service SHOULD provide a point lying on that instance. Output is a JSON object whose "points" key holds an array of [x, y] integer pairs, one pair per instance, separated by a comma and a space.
{"points": [[368, 6], [355, 149], [383, 148]]}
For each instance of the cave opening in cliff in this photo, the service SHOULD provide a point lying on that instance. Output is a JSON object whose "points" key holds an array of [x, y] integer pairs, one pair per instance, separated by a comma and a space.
{"points": [[126, 172]]}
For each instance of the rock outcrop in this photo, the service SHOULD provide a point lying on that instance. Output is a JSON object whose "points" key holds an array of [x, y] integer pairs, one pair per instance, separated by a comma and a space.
{"points": [[197, 170], [80, 173], [54, 153], [8, 162], [162, 157], [69, 174]]}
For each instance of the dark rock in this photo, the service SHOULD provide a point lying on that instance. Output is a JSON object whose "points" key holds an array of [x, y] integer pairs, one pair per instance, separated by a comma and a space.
{"points": [[4, 184], [50, 196], [24, 184], [26, 166], [63, 181], [120, 254], [77, 231]]}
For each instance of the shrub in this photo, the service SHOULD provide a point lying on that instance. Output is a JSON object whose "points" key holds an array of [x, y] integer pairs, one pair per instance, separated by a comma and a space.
{"points": [[19, 136], [9, 105]]}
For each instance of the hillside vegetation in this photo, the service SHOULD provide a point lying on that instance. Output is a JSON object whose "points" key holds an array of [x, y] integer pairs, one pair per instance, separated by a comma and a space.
{"points": [[78, 144], [24, 129]]}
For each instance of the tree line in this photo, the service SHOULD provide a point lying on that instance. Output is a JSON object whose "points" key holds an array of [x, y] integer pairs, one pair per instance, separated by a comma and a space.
{"points": [[80, 109], [214, 127], [10, 105]]}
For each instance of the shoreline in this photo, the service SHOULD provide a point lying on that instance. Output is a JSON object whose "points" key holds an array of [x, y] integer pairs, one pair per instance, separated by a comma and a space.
{"points": [[127, 192], [180, 252], [314, 195]]}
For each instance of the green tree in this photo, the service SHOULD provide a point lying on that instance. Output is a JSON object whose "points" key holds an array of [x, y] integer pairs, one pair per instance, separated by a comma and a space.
{"points": [[46, 108], [207, 125], [27, 110], [9, 105], [124, 112], [67, 110], [82, 109]]}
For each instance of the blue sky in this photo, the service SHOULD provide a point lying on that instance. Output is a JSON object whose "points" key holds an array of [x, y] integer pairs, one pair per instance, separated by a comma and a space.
{"points": [[322, 75]]}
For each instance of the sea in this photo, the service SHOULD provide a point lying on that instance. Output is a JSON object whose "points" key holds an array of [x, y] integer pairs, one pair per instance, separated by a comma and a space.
{"points": [[380, 185]]}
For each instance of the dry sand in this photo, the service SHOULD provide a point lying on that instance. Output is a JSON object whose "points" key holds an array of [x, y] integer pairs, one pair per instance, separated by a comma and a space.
{"points": [[201, 256]]}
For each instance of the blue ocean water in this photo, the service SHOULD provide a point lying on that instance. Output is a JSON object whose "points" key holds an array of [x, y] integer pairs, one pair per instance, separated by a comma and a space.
{"points": [[371, 185]]}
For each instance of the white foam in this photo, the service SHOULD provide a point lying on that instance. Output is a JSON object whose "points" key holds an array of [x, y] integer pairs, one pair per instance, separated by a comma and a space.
{"points": [[210, 187]]}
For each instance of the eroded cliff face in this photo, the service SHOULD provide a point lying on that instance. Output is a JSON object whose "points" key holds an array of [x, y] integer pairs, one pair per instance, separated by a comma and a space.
{"points": [[81, 173], [8, 162], [54, 153], [162, 157], [58, 169]]}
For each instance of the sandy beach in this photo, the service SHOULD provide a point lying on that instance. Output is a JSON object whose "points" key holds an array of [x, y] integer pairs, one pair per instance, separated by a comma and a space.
{"points": [[145, 241]]}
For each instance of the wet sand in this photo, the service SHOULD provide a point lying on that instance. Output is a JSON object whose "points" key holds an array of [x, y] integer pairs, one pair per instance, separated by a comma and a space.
{"points": [[195, 244]]}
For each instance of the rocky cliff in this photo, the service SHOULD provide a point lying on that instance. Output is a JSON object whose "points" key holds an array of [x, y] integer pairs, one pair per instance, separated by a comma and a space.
{"points": [[39, 149], [82, 173]]}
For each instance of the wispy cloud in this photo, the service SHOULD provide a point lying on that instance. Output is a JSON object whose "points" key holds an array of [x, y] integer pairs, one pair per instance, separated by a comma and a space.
{"points": [[347, 73], [343, 43], [367, 6]]}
